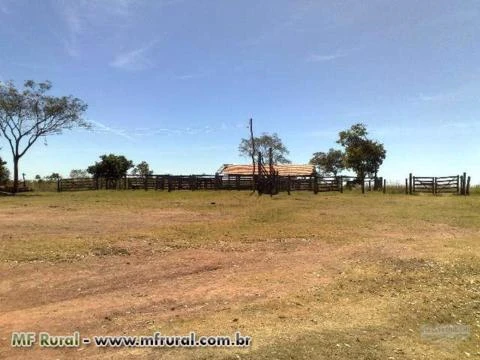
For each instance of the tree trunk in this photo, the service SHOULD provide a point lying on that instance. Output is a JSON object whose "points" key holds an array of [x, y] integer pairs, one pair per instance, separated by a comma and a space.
{"points": [[15, 174]]}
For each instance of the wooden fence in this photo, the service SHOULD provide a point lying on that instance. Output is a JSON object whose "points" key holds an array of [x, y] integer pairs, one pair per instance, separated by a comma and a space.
{"points": [[457, 184], [218, 182]]}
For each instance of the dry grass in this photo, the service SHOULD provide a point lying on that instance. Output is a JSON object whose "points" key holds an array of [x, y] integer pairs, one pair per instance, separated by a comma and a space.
{"points": [[308, 277]]}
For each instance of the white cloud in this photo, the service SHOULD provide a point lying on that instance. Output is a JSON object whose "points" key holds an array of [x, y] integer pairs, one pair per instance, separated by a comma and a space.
{"points": [[81, 16], [190, 76], [197, 130], [102, 128], [74, 24], [134, 60], [324, 57], [194, 75], [141, 132]]}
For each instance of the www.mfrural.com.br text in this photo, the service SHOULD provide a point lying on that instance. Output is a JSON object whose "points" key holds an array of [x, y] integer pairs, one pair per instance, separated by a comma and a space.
{"points": [[47, 340]]}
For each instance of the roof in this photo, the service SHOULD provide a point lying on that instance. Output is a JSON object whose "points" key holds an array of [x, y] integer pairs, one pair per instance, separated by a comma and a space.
{"points": [[283, 169]]}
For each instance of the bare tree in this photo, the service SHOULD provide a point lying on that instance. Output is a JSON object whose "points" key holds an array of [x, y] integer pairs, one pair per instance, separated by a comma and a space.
{"points": [[28, 114], [262, 144]]}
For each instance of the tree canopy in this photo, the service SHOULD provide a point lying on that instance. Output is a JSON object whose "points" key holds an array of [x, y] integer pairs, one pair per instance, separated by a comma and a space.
{"points": [[53, 177], [4, 172], [112, 167], [262, 144], [79, 173], [362, 155], [142, 169], [28, 114], [328, 163]]}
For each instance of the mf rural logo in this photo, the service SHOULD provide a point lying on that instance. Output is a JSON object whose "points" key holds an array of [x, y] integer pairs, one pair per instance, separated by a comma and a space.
{"points": [[28, 339]]}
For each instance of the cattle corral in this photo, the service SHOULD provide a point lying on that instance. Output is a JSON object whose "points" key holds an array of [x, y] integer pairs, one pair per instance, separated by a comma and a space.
{"points": [[457, 184], [331, 276], [169, 183]]}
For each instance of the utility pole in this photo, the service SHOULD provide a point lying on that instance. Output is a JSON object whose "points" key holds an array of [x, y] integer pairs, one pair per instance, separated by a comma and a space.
{"points": [[271, 171], [252, 140]]}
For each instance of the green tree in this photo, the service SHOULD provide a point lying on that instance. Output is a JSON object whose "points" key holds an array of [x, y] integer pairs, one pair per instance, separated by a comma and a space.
{"points": [[328, 163], [53, 177], [28, 114], [111, 167], [262, 144], [142, 169], [362, 155], [4, 172], [79, 173]]}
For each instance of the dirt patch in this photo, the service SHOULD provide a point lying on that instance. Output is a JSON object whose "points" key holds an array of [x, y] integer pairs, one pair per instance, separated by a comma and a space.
{"points": [[95, 295], [305, 279]]}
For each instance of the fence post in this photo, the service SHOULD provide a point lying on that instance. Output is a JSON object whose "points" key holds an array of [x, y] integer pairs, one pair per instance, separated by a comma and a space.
{"points": [[410, 185], [384, 186], [458, 184], [275, 185], [363, 186], [377, 183], [434, 185], [467, 189], [193, 183], [59, 185], [406, 186]]}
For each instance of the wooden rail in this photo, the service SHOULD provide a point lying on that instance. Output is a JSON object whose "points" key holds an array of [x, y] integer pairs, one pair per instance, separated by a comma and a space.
{"points": [[456, 184]]}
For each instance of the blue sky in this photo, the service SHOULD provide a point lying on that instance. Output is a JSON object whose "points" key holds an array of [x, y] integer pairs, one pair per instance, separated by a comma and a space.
{"points": [[174, 82]]}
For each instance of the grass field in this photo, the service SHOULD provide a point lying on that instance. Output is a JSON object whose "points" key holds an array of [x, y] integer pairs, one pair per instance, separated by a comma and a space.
{"points": [[327, 276]]}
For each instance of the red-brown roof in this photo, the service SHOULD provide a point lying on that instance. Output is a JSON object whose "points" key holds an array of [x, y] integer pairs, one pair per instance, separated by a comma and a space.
{"points": [[283, 169]]}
